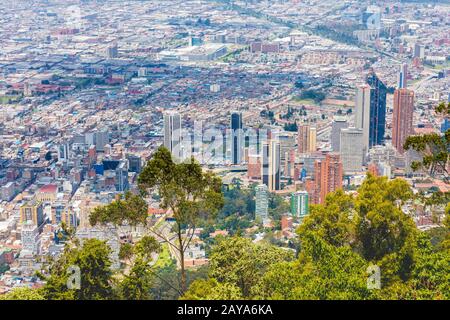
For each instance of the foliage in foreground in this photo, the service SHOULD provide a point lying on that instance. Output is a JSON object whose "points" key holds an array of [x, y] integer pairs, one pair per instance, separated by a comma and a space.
{"points": [[341, 241]]}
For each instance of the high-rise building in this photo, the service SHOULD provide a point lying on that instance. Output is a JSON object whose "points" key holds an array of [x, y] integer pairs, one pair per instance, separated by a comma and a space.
{"points": [[445, 125], [274, 165], [121, 181], [306, 140], [327, 175], [134, 163], [352, 149], [101, 140], [289, 163], [236, 138], [371, 111], [362, 115], [313, 190], [403, 76], [265, 163], [335, 138], [261, 203], [371, 17], [112, 51], [172, 133], [32, 211], [402, 117], [299, 204]]}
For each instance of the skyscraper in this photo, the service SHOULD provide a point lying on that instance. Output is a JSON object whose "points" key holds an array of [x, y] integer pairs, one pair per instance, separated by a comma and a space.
{"points": [[274, 165], [336, 126], [261, 203], [327, 176], [377, 110], [371, 111], [402, 117], [265, 163], [63, 152], [306, 140], [172, 133], [419, 51], [30, 237], [371, 17], [403, 76], [236, 138], [351, 149], [134, 163], [299, 204], [101, 139], [112, 51]]}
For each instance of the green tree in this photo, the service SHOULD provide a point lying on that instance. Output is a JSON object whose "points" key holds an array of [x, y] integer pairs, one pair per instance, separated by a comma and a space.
{"points": [[211, 289], [384, 234], [433, 147], [128, 209], [23, 294], [331, 221], [137, 283], [93, 259], [191, 195], [322, 271], [240, 262]]}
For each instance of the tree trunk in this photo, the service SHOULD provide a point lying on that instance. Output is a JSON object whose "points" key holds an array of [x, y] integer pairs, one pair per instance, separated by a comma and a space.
{"points": [[183, 271]]}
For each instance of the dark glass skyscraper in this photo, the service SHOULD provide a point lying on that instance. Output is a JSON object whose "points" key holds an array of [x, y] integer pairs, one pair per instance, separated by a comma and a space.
{"points": [[377, 110]]}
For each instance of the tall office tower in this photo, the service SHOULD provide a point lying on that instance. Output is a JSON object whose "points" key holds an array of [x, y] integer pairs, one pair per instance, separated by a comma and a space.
{"points": [[403, 76], [265, 163], [112, 51], [274, 165], [335, 139], [371, 111], [30, 238], [299, 204], [306, 140], [121, 182], [314, 195], [371, 18], [362, 115], [402, 118], [312, 139], [101, 139], [172, 133], [262, 202], [236, 138], [328, 175], [254, 167], [289, 163], [32, 211], [134, 163], [352, 149]]}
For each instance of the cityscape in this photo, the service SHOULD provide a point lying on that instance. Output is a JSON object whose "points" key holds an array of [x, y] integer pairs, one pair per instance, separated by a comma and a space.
{"points": [[224, 150]]}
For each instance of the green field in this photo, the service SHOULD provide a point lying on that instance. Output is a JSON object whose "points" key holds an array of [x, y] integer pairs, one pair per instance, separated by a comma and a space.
{"points": [[8, 99], [164, 258]]}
